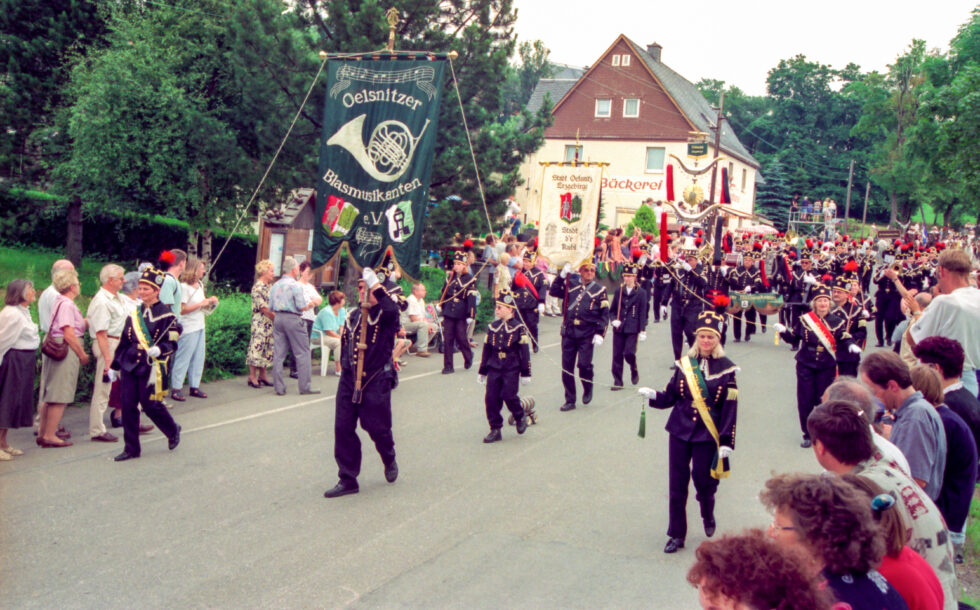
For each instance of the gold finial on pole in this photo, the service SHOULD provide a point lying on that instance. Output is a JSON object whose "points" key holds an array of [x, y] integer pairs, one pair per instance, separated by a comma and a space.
{"points": [[393, 18]]}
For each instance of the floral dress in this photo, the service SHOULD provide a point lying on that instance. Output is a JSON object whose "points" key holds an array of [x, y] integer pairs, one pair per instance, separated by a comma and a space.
{"points": [[260, 347]]}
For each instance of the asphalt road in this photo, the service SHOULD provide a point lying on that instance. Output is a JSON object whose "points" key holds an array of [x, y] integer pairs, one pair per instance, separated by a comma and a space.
{"points": [[572, 514]]}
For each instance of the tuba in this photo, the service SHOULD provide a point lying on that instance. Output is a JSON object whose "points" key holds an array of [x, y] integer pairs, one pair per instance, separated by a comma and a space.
{"points": [[388, 152]]}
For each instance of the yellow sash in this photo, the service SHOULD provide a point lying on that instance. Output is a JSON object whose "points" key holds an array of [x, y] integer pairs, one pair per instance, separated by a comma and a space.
{"points": [[719, 467], [156, 372]]}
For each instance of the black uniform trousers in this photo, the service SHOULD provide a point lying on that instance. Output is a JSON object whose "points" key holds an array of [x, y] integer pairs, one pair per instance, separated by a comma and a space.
{"points": [[133, 392], [374, 413], [883, 324], [848, 368], [683, 321], [573, 349], [454, 336], [661, 295], [502, 387], [530, 317], [810, 386], [623, 348], [750, 323], [689, 461]]}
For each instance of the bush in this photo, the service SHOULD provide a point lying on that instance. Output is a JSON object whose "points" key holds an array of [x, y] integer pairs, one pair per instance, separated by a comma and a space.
{"points": [[228, 331], [30, 217]]}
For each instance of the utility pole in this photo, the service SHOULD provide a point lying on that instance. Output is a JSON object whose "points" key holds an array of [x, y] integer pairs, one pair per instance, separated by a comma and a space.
{"points": [[847, 206], [714, 170], [864, 216]]}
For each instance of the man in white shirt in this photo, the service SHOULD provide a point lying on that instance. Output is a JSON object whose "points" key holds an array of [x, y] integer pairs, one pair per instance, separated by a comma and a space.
{"points": [[416, 321], [106, 317], [954, 314]]}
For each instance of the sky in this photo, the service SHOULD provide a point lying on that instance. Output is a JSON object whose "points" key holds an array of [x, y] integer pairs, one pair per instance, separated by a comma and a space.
{"points": [[746, 38]]}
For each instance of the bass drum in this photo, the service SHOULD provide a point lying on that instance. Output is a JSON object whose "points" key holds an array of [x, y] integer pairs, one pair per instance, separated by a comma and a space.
{"points": [[737, 305], [767, 304]]}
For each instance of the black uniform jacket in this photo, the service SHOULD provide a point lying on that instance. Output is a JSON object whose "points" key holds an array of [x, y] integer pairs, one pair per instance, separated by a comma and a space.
{"points": [[855, 325], [631, 309], [585, 307], [525, 296], [459, 296], [722, 401], [687, 286], [164, 330], [813, 353], [506, 348], [382, 324], [741, 278], [888, 301]]}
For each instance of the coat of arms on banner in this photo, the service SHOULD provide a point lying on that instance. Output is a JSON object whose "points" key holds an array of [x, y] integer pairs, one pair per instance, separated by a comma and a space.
{"points": [[338, 216], [571, 208], [400, 221]]}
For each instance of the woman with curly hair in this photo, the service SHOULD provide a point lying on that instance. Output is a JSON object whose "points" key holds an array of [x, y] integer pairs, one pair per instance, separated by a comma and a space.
{"points": [[830, 522], [751, 571], [259, 357]]}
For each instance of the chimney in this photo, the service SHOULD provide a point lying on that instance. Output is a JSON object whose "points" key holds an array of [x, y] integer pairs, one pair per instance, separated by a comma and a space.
{"points": [[654, 51]]}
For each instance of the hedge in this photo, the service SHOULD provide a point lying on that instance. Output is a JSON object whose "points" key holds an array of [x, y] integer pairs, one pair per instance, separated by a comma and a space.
{"points": [[36, 218]]}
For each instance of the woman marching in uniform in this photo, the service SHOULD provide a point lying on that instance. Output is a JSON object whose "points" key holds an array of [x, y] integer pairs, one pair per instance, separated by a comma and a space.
{"points": [[704, 397], [628, 315], [820, 332], [506, 358]]}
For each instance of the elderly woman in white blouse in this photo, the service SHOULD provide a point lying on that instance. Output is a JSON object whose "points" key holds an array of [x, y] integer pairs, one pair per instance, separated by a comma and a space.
{"points": [[19, 341]]}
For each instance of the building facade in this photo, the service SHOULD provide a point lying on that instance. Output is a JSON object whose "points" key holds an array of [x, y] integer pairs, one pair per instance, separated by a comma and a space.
{"points": [[633, 112]]}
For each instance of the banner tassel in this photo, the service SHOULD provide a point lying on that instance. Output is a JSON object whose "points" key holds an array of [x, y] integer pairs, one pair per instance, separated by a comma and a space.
{"points": [[642, 433]]}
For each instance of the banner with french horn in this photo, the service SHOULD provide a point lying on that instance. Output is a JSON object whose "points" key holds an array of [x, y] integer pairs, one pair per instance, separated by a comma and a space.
{"points": [[379, 129]]}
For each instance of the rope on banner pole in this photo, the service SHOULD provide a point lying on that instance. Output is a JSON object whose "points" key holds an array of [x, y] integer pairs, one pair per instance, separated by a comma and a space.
{"points": [[469, 141], [323, 56]]}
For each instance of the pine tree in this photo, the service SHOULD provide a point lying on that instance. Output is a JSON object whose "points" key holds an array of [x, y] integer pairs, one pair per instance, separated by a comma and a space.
{"points": [[772, 198]]}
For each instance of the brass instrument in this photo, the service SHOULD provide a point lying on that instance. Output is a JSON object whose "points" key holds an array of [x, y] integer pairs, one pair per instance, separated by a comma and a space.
{"points": [[387, 154]]}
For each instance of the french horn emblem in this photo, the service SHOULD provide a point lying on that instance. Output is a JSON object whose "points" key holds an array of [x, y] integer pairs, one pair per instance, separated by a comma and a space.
{"points": [[389, 151]]}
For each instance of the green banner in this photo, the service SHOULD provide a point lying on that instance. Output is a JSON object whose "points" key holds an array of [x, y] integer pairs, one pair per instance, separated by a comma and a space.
{"points": [[379, 129]]}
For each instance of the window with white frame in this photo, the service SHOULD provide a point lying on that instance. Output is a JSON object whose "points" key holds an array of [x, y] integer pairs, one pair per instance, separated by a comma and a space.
{"points": [[615, 60], [625, 61], [570, 151], [603, 107], [655, 158], [631, 107]]}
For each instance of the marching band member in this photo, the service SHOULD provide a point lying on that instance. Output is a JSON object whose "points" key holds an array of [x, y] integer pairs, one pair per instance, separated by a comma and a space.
{"points": [[505, 358], [628, 317], [855, 318], [685, 301], [746, 280], [703, 398], [820, 332], [585, 308], [458, 310], [529, 293]]}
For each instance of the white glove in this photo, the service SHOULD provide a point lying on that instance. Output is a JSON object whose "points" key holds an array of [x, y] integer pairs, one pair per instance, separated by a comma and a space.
{"points": [[439, 309], [854, 349], [663, 311], [540, 308], [616, 323], [648, 393], [113, 375], [153, 352], [809, 279], [724, 452], [643, 260], [482, 380], [469, 321], [748, 289], [370, 277], [597, 340], [685, 266], [525, 380], [779, 327], [724, 270], [642, 336], [566, 270], [865, 313], [396, 275]]}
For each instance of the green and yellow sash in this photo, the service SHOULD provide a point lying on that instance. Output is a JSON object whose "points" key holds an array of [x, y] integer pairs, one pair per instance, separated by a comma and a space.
{"points": [[699, 389], [142, 334]]}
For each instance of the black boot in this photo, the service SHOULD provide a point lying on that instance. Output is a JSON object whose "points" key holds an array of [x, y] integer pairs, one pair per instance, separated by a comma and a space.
{"points": [[493, 437], [709, 527], [673, 544], [587, 394], [635, 377], [521, 425]]}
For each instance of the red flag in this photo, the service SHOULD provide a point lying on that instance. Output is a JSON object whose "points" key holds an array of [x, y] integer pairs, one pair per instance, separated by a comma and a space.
{"points": [[663, 236], [670, 182]]}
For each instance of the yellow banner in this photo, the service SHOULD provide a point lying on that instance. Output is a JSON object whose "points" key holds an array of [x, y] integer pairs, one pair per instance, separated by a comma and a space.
{"points": [[569, 207]]}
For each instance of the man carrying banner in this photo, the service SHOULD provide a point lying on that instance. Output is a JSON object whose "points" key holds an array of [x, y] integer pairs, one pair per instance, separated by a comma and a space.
{"points": [[458, 301], [366, 378], [703, 398], [628, 314], [585, 307], [528, 288]]}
